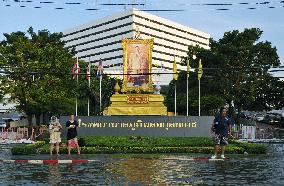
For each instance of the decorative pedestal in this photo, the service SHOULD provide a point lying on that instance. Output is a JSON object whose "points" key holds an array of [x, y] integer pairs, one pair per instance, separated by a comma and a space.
{"points": [[137, 104]]}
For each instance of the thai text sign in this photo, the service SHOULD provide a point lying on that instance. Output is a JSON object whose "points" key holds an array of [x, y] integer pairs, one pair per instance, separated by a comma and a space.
{"points": [[138, 99], [143, 125]]}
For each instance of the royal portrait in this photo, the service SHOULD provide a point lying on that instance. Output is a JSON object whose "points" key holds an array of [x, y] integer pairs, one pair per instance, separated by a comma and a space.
{"points": [[137, 64]]}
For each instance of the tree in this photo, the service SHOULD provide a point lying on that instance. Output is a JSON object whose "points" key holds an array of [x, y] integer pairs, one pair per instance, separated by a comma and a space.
{"points": [[209, 101], [38, 72], [269, 94], [242, 62], [234, 69], [93, 93]]}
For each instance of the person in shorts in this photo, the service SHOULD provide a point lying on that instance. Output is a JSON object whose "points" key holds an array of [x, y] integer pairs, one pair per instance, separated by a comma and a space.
{"points": [[55, 134], [221, 128], [71, 126]]}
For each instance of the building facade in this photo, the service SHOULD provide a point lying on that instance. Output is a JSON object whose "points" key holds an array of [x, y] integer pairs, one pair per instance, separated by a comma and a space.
{"points": [[6, 104], [101, 39], [277, 72]]}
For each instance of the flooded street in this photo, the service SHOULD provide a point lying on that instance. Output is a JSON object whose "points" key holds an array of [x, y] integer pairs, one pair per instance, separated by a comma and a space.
{"points": [[140, 169]]}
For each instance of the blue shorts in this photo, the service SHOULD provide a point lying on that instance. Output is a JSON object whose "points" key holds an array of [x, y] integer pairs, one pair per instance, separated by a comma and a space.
{"points": [[220, 139]]}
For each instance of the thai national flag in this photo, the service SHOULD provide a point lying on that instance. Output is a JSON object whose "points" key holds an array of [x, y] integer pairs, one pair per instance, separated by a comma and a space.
{"points": [[88, 73], [76, 69], [100, 69]]}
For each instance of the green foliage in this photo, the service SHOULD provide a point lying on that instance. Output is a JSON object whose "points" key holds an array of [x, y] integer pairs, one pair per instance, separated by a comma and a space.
{"points": [[209, 100], [38, 69], [242, 63], [27, 149], [251, 148], [126, 141], [39, 143], [138, 144], [269, 94], [93, 93], [235, 68]]}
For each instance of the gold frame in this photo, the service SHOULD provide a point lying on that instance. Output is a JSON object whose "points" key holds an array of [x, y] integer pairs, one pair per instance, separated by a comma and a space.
{"points": [[138, 89]]}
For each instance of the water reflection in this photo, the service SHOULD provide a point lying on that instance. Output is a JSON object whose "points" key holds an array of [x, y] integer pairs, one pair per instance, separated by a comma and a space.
{"points": [[54, 176], [144, 170], [139, 170]]}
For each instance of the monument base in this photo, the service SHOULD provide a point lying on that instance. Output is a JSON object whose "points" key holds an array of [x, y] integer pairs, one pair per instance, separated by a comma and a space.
{"points": [[137, 105]]}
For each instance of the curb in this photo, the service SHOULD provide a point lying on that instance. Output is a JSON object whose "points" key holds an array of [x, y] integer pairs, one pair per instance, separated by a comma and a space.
{"points": [[81, 161], [194, 159], [77, 161]]}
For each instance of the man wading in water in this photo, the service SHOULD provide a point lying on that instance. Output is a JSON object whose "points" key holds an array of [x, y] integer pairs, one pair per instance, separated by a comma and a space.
{"points": [[222, 129]]}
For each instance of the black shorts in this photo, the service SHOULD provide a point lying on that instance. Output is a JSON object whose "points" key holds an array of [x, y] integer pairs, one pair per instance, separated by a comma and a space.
{"points": [[71, 135], [220, 139]]}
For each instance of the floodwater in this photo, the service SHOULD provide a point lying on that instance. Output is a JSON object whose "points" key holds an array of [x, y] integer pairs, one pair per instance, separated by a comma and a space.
{"points": [[143, 169]]}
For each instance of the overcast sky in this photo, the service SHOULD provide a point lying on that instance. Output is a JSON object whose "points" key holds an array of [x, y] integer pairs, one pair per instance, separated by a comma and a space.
{"points": [[212, 16]]}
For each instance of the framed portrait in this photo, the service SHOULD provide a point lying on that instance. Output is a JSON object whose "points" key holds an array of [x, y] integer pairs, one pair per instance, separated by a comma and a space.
{"points": [[137, 65]]}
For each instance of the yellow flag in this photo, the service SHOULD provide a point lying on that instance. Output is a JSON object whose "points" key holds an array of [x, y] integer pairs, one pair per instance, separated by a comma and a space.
{"points": [[188, 68], [175, 75], [200, 71]]}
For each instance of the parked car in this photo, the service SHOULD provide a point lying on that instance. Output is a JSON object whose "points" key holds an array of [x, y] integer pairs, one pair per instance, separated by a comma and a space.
{"points": [[246, 115], [274, 119], [259, 117]]}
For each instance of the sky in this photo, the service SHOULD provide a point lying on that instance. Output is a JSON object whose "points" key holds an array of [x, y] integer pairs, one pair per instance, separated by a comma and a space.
{"points": [[211, 16]]}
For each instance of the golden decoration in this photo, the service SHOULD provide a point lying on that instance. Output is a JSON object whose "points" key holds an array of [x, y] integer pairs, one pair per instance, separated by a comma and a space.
{"points": [[116, 88], [137, 105], [137, 33]]}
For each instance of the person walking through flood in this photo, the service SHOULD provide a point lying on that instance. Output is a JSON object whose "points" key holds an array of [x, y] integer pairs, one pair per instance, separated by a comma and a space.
{"points": [[71, 126], [222, 130], [55, 134]]}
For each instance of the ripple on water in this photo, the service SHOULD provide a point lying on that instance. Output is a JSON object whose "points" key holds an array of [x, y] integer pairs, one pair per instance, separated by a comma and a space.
{"points": [[142, 170]]}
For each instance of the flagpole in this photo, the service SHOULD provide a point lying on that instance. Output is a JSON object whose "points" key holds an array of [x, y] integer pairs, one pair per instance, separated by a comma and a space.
{"points": [[100, 93], [175, 98], [187, 89], [187, 96], [89, 81], [199, 74], [89, 99], [77, 85], [175, 76], [76, 98], [99, 74], [199, 96]]}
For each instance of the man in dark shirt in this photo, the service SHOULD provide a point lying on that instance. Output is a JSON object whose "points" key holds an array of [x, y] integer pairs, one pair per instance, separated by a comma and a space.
{"points": [[222, 128], [71, 126]]}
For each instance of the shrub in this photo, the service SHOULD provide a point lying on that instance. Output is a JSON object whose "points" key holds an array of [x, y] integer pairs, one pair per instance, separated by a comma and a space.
{"points": [[251, 148], [133, 144]]}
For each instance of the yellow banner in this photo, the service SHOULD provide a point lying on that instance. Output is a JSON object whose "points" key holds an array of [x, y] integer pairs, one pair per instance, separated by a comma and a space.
{"points": [[200, 71], [175, 75]]}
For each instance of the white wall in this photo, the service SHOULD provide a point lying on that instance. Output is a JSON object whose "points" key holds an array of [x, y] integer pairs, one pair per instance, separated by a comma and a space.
{"points": [[170, 39]]}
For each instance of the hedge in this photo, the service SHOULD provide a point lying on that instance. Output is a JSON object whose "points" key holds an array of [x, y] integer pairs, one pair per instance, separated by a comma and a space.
{"points": [[27, 149], [134, 144]]}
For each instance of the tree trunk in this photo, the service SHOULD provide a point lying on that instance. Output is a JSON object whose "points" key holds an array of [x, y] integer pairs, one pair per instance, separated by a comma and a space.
{"points": [[45, 118], [30, 119], [37, 119]]}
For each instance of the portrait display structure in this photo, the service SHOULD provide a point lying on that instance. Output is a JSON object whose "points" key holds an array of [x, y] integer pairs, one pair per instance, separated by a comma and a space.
{"points": [[137, 65]]}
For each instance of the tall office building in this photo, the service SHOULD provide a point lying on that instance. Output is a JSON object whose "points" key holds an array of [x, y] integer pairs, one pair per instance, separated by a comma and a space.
{"points": [[101, 39]]}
